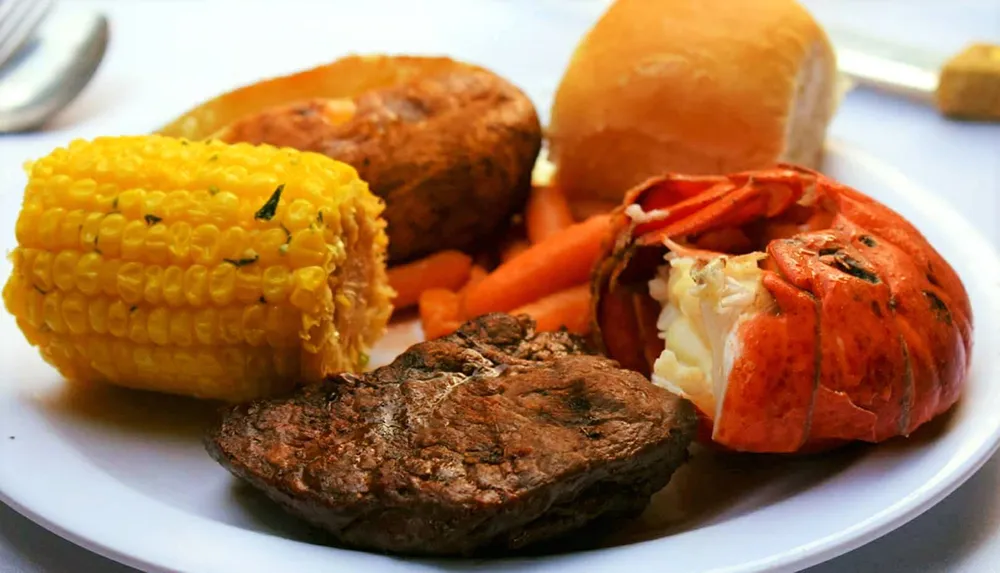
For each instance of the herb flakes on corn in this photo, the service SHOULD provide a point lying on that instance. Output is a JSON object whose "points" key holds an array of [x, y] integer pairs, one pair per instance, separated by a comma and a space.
{"points": [[205, 269]]}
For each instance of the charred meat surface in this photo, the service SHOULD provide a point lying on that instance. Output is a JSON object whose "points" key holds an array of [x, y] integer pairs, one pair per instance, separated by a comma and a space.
{"points": [[488, 440]]}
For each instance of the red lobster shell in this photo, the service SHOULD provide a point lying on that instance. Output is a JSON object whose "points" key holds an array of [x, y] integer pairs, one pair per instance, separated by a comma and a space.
{"points": [[864, 332]]}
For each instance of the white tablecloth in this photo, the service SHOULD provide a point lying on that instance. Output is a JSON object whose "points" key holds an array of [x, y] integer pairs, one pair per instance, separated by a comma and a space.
{"points": [[960, 534]]}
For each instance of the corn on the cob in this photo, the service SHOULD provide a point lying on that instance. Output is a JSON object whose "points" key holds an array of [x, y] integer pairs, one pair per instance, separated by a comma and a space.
{"points": [[213, 270]]}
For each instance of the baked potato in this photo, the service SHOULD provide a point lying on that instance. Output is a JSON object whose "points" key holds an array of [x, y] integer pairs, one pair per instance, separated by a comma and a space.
{"points": [[449, 146]]}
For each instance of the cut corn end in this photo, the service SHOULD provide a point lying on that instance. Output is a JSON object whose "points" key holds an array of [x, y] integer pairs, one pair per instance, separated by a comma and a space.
{"points": [[202, 269]]}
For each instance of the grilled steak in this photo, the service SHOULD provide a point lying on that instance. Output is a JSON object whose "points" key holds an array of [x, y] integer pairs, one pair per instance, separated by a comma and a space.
{"points": [[487, 440]]}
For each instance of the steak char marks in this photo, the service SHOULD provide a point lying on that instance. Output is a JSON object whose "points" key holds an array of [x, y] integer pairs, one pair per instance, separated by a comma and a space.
{"points": [[488, 440]]}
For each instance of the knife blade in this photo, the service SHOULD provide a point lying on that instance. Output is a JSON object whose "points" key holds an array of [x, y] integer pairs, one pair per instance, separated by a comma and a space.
{"points": [[965, 85]]}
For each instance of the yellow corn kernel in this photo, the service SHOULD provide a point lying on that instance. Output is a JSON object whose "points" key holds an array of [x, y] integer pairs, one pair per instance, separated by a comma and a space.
{"points": [[138, 324], [133, 240], [308, 249], [157, 247], [197, 268], [88, 273], [247, 288], [74, 310], [109, 276], [158, 326], [69, 232], [90, 231], [271, 246], [205, 244], [41, 270], [222, 284], [233, 245], [64, 269], [81, 194], [27, 223], [179, 242], [33, 307], [205, 323], [224, 208], [173, 286], [48, 228], [185, 364], [153, 288], [14, 293], [231, 325], [24, 262], [100, 355], [275, 283], [196, 285], [97, 313], [52, 312], [282, 326], [300, 214], [109, 234], [151, 203], [130, 278], [254, 323], [118, 315], [130, 204], [181, 329], [308, 292], [176, 205]]}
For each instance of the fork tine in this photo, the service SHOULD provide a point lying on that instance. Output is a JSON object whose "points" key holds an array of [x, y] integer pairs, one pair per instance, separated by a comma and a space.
{"points": [[18, 27], [15, 13], [7, 7], [11, 13]]}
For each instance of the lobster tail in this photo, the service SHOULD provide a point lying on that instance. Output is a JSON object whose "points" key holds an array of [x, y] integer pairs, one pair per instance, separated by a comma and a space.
{"points": [[796, 312]]}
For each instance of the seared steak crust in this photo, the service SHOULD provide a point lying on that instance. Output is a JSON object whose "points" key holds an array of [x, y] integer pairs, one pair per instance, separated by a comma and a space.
{"points": [[490, 439]]}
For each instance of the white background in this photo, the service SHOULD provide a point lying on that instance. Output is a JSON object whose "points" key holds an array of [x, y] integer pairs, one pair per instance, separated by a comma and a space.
{"points": [[149, 76]]}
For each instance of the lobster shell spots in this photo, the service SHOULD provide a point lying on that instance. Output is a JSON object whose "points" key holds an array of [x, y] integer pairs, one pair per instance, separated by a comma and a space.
{"points": [[869, 332]]}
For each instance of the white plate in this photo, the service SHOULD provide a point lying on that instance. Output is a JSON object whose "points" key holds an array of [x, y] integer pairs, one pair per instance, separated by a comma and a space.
{"points": [[125, 475]]}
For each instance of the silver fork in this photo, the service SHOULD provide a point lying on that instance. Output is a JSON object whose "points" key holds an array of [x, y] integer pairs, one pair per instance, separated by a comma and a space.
{"points": [[70, 45], [18, 21]]}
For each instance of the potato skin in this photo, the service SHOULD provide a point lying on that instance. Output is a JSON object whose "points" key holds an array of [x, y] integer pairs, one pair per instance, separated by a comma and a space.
{"points": [[346, 77], [450, 153]]}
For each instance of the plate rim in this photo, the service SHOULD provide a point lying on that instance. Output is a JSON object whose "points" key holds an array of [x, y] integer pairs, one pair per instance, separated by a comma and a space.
{"points": [[909, 506]]}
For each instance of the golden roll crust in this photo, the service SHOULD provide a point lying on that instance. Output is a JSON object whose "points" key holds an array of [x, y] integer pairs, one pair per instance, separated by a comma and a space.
{"points": [[698, 87]]}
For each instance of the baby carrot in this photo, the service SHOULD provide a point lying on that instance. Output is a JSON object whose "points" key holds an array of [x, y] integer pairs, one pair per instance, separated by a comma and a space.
{"points": [[560, 262], [546, 213], [444, 269], [439, 312], [513, 249], [476, 274], [569, 308]]}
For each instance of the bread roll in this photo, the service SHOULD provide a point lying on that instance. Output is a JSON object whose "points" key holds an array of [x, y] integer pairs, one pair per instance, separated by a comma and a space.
{"points": [[693, 86]]}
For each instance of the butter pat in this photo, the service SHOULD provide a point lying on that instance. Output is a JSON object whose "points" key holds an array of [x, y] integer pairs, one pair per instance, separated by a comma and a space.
{"points": [[969, 84]]}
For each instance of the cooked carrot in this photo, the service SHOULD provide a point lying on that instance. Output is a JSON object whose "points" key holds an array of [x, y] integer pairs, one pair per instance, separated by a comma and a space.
{"points": [[444, 269], [513, 249], [476, 275], [513, 241], [546, 213], [583, 209], [439, 312], [556, 264], [569, 308]]}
